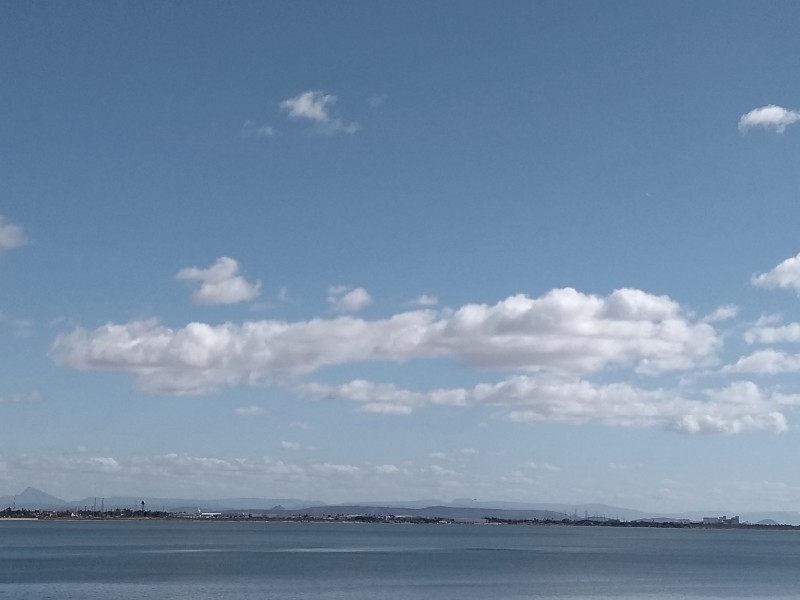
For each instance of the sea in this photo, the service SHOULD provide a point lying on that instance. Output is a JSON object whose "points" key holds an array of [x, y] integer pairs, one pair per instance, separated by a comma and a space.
{"points": [[214, 560]]}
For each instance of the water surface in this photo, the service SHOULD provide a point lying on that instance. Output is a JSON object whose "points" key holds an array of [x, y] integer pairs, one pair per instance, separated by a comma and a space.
{"points": [[195, 560]]}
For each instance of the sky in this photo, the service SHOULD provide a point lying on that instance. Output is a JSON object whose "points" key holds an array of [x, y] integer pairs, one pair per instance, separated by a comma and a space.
{"points": [[527, 251]]}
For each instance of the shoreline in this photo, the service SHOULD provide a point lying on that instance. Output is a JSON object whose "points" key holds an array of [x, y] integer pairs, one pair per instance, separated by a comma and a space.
{"points": [[396, 520]]}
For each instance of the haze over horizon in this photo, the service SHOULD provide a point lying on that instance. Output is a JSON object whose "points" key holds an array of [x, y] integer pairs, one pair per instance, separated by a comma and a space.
{"points": [[537, 252]]}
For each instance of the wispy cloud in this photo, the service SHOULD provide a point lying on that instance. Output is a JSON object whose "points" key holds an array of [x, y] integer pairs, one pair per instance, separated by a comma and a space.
{"points": [[376, 100], [11, 236], [317, 108], [249, 411], [20, 397], [723, 313], [220, 283], [251, 129], [424, 300], [771, 116]]}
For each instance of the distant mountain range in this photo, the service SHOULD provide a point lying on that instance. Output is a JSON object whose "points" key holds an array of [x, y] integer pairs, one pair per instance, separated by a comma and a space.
{"points": [[34, 499]]}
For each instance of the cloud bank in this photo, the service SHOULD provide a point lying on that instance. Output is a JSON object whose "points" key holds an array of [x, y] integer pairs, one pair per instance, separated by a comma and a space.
{"points": [[550, 345], [739, 407], [562, 331]]}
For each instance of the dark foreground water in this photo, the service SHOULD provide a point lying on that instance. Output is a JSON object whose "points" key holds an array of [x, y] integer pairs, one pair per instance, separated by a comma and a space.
{"points": [[268, 561]]}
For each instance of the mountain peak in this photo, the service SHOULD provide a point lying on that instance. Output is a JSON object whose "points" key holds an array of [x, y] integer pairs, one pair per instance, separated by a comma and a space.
{"points": [[33, 498]]}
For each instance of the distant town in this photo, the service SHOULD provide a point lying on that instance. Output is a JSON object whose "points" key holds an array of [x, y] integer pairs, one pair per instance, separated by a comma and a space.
{"points": [[33, 504], [722, 522]]}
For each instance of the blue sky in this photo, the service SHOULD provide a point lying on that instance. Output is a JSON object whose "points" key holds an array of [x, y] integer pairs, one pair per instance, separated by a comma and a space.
{"points": [[534, 251]]}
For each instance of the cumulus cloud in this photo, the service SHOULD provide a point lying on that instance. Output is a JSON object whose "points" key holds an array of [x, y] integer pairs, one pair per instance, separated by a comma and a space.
{"points": [[11, 236], [568, 330], [764, 333], [317, 107], [343, 298], [785, 275], [251, 129], [742, 406], [771, 116], [563, 331], [766, 362], [220, 283]]}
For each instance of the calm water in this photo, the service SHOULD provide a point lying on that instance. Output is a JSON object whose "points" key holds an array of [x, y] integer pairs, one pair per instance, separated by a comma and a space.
{"points": [[243, 561]]}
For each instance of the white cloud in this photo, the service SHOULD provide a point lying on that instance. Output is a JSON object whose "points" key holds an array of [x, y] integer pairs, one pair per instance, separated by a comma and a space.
{"points": [[621, 467], [769, 117], [104, 463], [442, 472], [11, 236], [286, 445], [251, 129], [386, 408], [20, 397], [220, 283], [171, 474], [785, 275], [249, 411], [762, 333], [22, 328], [386, 469], [383, 398], [737, 408], [343, 298], [742, 406], [723, 313], [336, 469], [424, 300], [316, 106], [516, 478], [376, 100], [563, 331], [766, 362]]}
